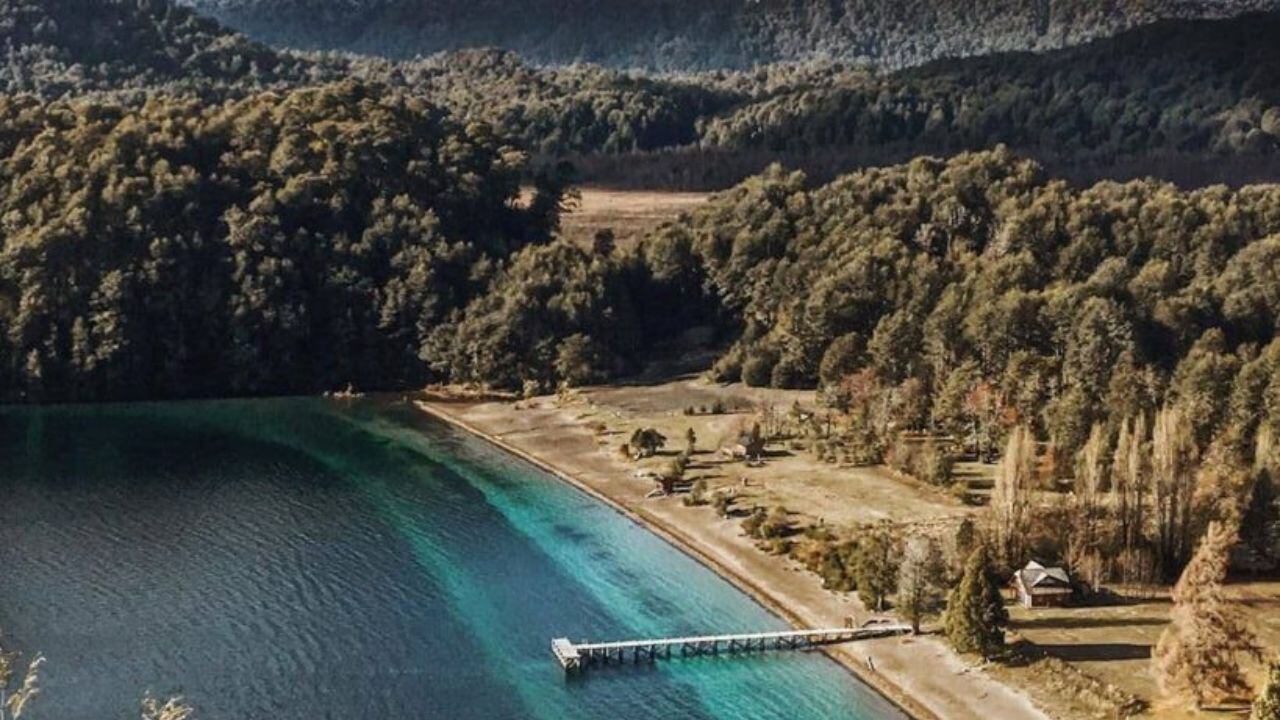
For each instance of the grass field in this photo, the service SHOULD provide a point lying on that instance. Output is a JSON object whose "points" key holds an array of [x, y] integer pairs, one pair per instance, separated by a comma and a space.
{"points": [[629, 213]]}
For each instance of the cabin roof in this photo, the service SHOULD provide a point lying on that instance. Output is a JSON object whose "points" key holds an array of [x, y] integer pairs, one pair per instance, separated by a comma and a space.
{"points": [[1037, 577]]}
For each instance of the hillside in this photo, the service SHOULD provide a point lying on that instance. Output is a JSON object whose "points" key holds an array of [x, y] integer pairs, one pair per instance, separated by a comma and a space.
{"points": [[1182, 89], [678, 35], [55, 47]]}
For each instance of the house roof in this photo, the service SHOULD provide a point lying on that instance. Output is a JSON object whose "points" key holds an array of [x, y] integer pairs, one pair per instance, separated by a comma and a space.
{"points": [[1035, 575]]}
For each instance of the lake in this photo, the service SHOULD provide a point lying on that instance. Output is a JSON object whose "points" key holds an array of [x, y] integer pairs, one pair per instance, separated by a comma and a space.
{"points": [[301, 558]]}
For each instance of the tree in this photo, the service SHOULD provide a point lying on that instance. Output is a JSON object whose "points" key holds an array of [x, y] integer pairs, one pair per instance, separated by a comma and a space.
{"points": [[962, 546], [1198, 654], [1131, 479], [579, 361], [1088, 509], [690, 441], [843, 356], [876, 569], [920, 577], [1267, 705], [1173, 465], [647, 441], [976, 616], [1260, 527], [1011, 497]]}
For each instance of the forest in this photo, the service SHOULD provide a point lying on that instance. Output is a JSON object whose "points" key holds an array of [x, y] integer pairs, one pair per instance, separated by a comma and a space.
{"points": [[1161, 98], [280, 243], [681, 36], [1075, 305]]}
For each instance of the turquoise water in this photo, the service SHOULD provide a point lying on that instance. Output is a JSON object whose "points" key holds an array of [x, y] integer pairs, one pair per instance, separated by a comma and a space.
{"points": [[292, 559]]}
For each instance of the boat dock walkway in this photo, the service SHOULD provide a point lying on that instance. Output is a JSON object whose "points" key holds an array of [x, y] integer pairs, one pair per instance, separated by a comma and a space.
{"points": [[574, 657]]}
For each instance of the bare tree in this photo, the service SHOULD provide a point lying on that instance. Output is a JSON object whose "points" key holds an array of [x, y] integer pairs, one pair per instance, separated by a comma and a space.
{"points": [[1173, 464], [1198, 655], [1092, 474], [920, 578], [1130, 479], [1011, 497]]}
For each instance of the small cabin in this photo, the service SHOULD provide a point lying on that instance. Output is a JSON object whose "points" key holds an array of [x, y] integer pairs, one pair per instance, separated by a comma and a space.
{"points": [[1040, 586]]}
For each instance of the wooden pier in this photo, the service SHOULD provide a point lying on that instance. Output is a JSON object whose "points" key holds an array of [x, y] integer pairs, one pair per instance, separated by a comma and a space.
{"points": [[574, 657]]}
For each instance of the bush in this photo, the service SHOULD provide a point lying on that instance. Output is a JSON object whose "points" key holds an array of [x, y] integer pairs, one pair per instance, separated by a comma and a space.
{"points": [[776, 525], [935, 466], [757, 370], [925, 461], [697, 494], [721, 502]]}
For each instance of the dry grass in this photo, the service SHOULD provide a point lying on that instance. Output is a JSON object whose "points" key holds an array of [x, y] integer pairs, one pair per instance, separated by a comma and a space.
{"points": [[1113, 643], [629, 213], [795, 479]]}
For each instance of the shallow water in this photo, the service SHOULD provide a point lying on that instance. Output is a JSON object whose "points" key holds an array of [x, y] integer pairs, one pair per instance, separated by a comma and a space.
{"points": [[298, 559]]}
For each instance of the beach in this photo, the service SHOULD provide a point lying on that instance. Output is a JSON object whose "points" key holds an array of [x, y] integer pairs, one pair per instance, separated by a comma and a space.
{"points": [[918, 673]]}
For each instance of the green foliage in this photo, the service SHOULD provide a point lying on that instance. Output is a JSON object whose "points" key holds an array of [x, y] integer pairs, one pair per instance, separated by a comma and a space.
{"points": [[1036, 302], [647, 441], [772, 525], [281, 243], [680, 35], [976, 616], [1169, 90]]}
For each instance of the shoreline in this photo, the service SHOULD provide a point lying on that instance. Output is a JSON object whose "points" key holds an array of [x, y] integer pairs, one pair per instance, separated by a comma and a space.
{"points": [[877, 683]]}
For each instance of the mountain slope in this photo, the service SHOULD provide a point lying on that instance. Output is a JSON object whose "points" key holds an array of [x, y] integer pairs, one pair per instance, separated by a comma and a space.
{"points": [[54, 47], [680, 35]]}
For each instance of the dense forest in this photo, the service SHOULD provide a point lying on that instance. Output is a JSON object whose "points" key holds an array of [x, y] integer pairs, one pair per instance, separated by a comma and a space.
{"points": [[236, 212], [56, 47], [278, 243], [682, 36], [1161, 97]]}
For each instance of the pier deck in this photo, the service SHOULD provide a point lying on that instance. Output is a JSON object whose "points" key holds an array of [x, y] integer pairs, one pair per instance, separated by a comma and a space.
{"points": [[574, 657]]}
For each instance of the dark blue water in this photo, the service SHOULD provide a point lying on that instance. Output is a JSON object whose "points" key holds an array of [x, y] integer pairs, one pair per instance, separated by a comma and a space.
{"points": [[297, 559]]}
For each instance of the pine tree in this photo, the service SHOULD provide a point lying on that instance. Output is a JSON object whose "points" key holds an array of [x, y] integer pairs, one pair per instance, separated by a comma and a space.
{"points": [[1267, 704], [976, 615], [1198, 655]]}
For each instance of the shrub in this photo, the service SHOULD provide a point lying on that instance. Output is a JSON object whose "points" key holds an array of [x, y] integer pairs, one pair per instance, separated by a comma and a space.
{"points": [[757, 370]]}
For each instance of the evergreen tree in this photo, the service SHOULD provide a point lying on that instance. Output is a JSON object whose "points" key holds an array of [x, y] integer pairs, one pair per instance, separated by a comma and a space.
{"points": [[976, 616], [1198, 655]]}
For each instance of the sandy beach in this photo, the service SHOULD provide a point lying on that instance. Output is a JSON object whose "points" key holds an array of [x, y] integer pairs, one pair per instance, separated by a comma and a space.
{"points": [[921, 674]]}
